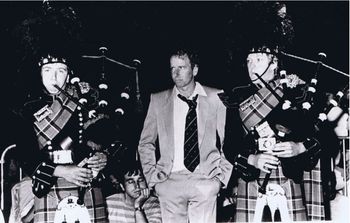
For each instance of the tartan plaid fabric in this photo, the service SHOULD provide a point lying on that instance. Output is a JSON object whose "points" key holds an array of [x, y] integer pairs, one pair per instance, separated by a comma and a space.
{"points": [[44, 208], [247, 195], [313, 194], [62, 109], [259, 105]]}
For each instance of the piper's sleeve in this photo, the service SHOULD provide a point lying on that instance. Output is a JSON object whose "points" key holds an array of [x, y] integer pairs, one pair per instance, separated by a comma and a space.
{"points": [[313, 152], [43, 179], [245, 170], [33, 161], [323, 142], [235, 148]]}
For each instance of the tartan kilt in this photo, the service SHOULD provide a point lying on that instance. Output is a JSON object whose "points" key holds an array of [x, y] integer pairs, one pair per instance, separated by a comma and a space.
{"points": [[314, 194], [247, 194], [45, 207]]}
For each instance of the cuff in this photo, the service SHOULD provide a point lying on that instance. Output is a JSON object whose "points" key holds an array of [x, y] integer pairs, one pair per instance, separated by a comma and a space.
{"points": [[247, 171], [312, 153], [43, 179]]}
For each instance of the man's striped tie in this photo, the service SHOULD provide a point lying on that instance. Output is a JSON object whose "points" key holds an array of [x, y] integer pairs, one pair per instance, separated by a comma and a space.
{"points": [[191, 150]]}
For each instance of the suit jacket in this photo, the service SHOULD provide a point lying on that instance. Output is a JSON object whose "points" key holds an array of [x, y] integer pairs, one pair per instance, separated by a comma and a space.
{"points": [[159, 124]]}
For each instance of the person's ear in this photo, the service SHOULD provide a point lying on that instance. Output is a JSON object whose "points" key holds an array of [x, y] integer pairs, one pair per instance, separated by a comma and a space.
{"points": [[274, 63], [195, 70]]}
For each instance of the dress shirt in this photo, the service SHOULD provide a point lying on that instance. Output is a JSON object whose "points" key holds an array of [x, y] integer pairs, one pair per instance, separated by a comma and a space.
{"points": [[180, 112]]}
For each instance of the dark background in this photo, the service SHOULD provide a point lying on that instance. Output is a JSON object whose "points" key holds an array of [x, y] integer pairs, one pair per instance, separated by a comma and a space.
{"points": [[146, 30]]}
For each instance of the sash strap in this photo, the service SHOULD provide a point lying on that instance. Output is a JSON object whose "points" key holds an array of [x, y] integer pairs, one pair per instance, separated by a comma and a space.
{"points": [[258, 106], [62, 109]]}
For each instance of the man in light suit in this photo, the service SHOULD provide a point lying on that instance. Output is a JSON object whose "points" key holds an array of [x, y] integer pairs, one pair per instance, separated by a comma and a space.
{"points": [[191, 168]]}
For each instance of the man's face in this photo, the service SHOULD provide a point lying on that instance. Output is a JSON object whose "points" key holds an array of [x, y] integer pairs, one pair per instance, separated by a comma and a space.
{"points": [[181, 71], [257, 63], [54, 74], [133, 184]]}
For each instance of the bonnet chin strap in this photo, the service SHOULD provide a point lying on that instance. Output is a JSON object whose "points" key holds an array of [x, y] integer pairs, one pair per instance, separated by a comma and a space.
{"points": [[266, 84]]}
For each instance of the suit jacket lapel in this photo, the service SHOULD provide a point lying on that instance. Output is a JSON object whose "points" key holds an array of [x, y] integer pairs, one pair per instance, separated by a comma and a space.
{"points": [[203, 108], [168, 117]]}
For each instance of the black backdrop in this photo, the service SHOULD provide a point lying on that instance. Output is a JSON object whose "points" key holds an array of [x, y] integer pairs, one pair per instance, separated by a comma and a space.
{"points": [[145, 30]]}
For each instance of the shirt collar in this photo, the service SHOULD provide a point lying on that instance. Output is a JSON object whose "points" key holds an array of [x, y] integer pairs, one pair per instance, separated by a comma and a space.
{"points": [[197, 90]]}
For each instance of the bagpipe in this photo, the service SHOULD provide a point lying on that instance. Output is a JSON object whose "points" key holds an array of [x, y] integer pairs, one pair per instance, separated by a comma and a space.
{"points": [[98, 109], [328, 114]]}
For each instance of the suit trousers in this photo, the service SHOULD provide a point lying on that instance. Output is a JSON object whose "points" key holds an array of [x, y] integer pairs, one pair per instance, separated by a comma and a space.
{"points": [[188, 197]]}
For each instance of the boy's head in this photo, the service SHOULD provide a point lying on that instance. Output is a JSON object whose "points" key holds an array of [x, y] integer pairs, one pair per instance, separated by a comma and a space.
{"points": [[133, 181]]}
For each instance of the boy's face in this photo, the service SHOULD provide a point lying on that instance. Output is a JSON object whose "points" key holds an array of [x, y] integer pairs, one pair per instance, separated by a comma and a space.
{"points": [[258, 63], [133, 183], [54, 74]]}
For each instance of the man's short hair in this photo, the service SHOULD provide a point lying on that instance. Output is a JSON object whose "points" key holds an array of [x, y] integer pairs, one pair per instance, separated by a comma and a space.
{"points": [[191, 53], [130, 168]]}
